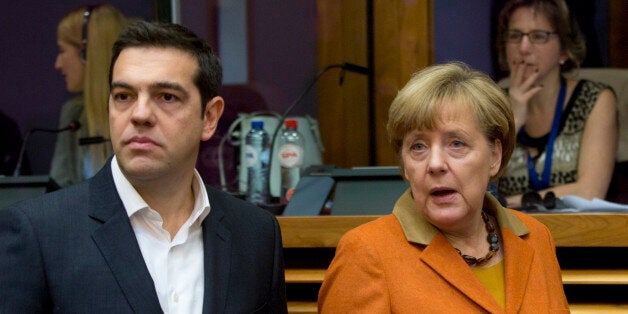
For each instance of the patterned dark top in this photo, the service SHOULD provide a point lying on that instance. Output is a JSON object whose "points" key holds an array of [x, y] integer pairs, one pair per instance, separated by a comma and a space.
{"points": [[566, 146]]}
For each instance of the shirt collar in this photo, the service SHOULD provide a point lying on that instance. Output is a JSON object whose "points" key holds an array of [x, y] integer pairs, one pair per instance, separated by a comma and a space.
{"points": [[133, 202], [201, 205], [420, 231]]}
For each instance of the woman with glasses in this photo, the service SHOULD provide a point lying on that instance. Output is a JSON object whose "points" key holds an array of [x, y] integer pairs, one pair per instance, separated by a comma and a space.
{"points": [[567, 128]]}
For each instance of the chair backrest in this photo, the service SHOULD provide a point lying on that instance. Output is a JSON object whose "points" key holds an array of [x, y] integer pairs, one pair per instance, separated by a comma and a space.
{"points": [[617, 78]]}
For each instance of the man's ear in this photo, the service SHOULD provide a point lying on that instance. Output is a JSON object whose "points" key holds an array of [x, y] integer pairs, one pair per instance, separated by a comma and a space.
{"points": [[212, 114]]}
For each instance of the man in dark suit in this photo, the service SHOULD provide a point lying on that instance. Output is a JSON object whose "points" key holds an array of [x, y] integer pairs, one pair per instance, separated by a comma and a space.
{"points": [[145, 235]]}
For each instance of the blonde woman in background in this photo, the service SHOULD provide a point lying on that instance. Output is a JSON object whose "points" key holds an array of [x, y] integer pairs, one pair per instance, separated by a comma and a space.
{"points": [[85, 37]]}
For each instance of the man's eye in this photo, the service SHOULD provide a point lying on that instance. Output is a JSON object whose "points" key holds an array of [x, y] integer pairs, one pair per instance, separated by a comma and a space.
{"points": [[121, 97], [169, 97]]}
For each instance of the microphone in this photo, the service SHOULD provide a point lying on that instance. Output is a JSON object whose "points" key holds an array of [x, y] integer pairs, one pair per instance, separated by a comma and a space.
{"points": [[273, 137], [356, 68], [344, 67], [351, 68], [92, 140], [72, 127]]}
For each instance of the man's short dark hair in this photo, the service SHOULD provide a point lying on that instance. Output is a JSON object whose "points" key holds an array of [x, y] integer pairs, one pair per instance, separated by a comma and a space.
{"points": [[208, 77]]}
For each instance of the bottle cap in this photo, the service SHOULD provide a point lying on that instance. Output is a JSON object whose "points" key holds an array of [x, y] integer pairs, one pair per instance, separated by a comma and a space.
{"points": [[291, 124], [257, 124]]}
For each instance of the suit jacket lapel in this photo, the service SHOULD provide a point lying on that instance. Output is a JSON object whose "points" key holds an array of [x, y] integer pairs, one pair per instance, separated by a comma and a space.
{"points": [[452, 268], [444, 260], [116, 240], [217, 252], [518, 264]]}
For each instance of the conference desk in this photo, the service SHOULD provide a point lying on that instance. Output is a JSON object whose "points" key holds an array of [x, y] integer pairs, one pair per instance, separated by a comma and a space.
{"points": [[568, 230], [591, 249]]}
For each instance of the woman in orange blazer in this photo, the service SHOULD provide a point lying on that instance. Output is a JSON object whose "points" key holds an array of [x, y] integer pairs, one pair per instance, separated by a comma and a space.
{"points": [[448, 246]]}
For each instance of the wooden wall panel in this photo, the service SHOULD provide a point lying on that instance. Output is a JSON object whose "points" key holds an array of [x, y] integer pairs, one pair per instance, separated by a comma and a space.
{"points": [[343, 109], [402, 43]]}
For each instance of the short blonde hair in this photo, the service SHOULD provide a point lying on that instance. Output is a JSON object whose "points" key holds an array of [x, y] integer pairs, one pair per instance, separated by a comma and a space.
{"points": [[104, 25], [418, 105]]}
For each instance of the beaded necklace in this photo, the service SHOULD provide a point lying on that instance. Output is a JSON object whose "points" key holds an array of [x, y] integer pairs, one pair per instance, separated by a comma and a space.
{"points": [[493, 241]]}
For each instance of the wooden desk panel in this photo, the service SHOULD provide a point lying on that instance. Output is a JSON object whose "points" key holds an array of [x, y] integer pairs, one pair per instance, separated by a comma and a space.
{"points": [[588, 230], [568, 230], [317, 231], [569, 276]]}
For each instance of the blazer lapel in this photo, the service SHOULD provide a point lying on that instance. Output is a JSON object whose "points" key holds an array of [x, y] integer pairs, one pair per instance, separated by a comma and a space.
{"points": [[518, 264], [444, 260], [217, 248], [116, 240]]}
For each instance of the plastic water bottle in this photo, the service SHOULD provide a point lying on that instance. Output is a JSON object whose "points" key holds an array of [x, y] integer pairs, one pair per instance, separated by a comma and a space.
{"points": [[291, 153], [256, 157]]}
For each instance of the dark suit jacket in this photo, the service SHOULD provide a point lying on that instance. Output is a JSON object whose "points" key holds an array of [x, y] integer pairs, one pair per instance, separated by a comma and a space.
{"points": [[74, 251]]}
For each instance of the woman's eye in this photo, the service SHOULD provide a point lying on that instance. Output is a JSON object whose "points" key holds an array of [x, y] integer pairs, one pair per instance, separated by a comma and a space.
{"points": [[417, 146], [457, 143]]}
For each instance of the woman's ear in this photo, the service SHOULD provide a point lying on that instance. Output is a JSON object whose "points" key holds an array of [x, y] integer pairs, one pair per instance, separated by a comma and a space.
{"points": [[496, 158]]}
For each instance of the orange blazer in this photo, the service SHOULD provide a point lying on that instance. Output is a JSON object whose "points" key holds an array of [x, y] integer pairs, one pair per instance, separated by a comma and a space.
{"points": [[400, 263]]}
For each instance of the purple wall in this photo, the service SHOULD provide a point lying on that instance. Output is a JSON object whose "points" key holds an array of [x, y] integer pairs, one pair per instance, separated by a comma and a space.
{"points": [[463, 33], [284, 59], [33, 91], [283, 56], [282, 48]]}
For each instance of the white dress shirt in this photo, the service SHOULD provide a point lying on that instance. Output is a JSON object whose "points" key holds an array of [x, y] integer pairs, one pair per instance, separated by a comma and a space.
{"points": [[176, 265]]}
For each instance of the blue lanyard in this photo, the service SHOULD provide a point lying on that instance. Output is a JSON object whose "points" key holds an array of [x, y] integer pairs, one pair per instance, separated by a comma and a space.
{"points": [[544, 182]]}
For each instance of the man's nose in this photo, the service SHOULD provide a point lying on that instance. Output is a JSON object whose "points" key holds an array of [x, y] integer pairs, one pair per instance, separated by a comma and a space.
{"points": [[143, 111]]}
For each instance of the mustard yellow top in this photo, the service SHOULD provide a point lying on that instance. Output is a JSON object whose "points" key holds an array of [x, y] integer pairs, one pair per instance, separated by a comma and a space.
{"points": [[493, 279]]}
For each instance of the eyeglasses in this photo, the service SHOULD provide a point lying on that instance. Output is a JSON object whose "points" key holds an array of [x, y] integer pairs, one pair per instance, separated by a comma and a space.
{"points": [[536, 36]]}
